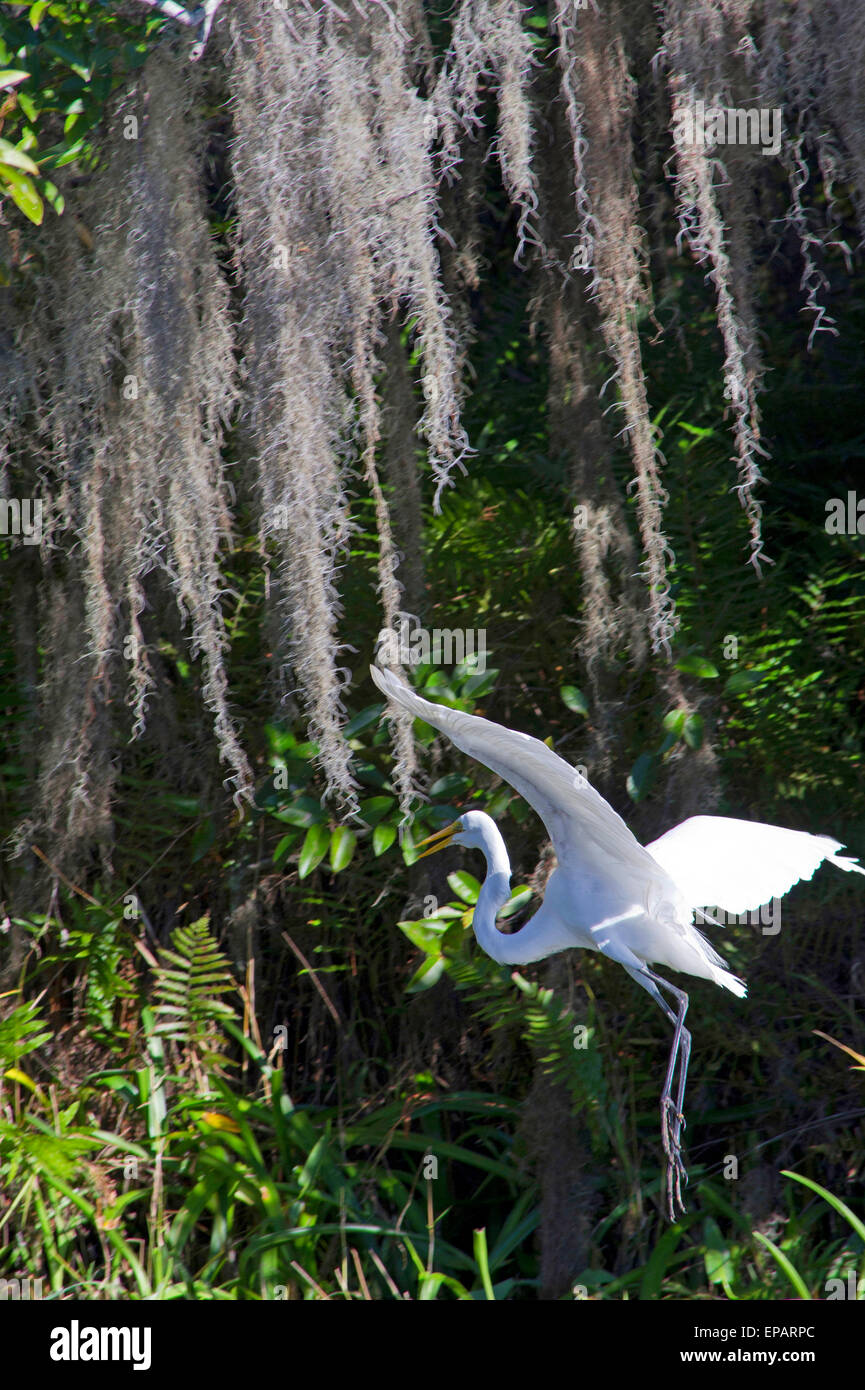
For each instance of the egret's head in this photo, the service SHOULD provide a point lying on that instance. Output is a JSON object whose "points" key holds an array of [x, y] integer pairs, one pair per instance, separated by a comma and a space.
{"points": [[474, 830]]}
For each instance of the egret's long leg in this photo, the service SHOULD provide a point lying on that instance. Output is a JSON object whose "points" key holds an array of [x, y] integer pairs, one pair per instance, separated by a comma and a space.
{"points": [[677, 1175], [672, 1125]]}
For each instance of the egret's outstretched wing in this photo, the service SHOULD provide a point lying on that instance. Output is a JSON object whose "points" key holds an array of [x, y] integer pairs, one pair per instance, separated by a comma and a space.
{"points": [[587, 834], [739, 864]]}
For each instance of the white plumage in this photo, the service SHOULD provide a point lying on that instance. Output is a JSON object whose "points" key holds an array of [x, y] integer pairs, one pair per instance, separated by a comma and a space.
{"points": [[608, 892], [739, 864]]}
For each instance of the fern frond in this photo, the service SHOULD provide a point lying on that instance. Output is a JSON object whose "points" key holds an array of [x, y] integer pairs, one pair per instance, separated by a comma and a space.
{"points": [[186, 993], [22, 1032]]}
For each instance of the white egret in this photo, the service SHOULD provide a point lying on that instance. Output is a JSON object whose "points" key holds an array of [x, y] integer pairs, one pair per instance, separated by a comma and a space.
{"points": [[609, 893]]}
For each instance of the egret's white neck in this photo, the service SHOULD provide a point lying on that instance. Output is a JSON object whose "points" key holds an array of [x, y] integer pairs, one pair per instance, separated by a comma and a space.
{"points": [[543, 934], [495, 852], [493, 895]]}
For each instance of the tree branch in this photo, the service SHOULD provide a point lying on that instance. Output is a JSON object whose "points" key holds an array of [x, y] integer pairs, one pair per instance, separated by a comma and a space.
{"points": [[201, 18]]}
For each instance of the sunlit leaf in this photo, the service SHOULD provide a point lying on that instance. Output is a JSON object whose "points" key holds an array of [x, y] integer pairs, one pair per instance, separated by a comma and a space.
{"points": [[343, 843], [374, 807], [426, 975], [426, 933], [519, 898], [574, 699], [314, 849], [464, 885], [697, 666], [10, 154], [674, 722], [20, 188], [382, 838]]}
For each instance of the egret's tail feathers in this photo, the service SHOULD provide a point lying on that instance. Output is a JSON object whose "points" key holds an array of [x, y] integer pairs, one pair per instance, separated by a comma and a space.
{"points": [[731, 982], [841, 861]]}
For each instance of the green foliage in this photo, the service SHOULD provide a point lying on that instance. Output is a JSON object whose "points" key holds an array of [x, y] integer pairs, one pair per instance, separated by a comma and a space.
{"points": [[96, 945], [59, 63], [286, 1187], [289, 796], [230, 1190], [22, 1031], [141, 1164], [16, 166], [568, 1053], [186, 989]]}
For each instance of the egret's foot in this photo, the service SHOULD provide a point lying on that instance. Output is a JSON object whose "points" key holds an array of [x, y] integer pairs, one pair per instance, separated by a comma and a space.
{"points": [[677, 1178], [672, 1124], [676, 1175]]}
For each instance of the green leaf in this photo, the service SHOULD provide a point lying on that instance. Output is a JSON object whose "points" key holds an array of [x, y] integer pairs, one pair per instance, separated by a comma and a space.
{"points": [[453, 784], [289, 770], [465, 886], [674, 722], [304, 812], [408, 845], [36, 12], [382, 838], [9, 77], [641, 776], [841, 1207], [426, 934], [574, 699], [68, 157], [435, 817], [20, 189], [28, 106], [313, 850], [693, 731], [361, 721], [428, 974], [695, 430], [481, 683], [10, 154], [481, 1255], [785, 1265], [68, 54], [716, 1254], [343, 843], [370, 776], [697, 666], [519, 897], [375, 807], [53, 196], [659, 1260], [452, 939], [424, 733], [742, 681], [283, 847], [435, 682]]}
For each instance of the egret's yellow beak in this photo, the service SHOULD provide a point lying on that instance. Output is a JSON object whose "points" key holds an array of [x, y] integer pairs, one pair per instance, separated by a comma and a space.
{"points": [[443, 837]]}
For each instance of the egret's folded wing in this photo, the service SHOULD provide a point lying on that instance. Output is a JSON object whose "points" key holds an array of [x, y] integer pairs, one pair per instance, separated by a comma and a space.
{"points": [[738, 864], [587, 834]]}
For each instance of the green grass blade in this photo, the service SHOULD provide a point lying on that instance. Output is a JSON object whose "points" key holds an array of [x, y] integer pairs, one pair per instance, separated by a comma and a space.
{"points": [[482, 1258], [785, 1265], [841, 1207]]}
